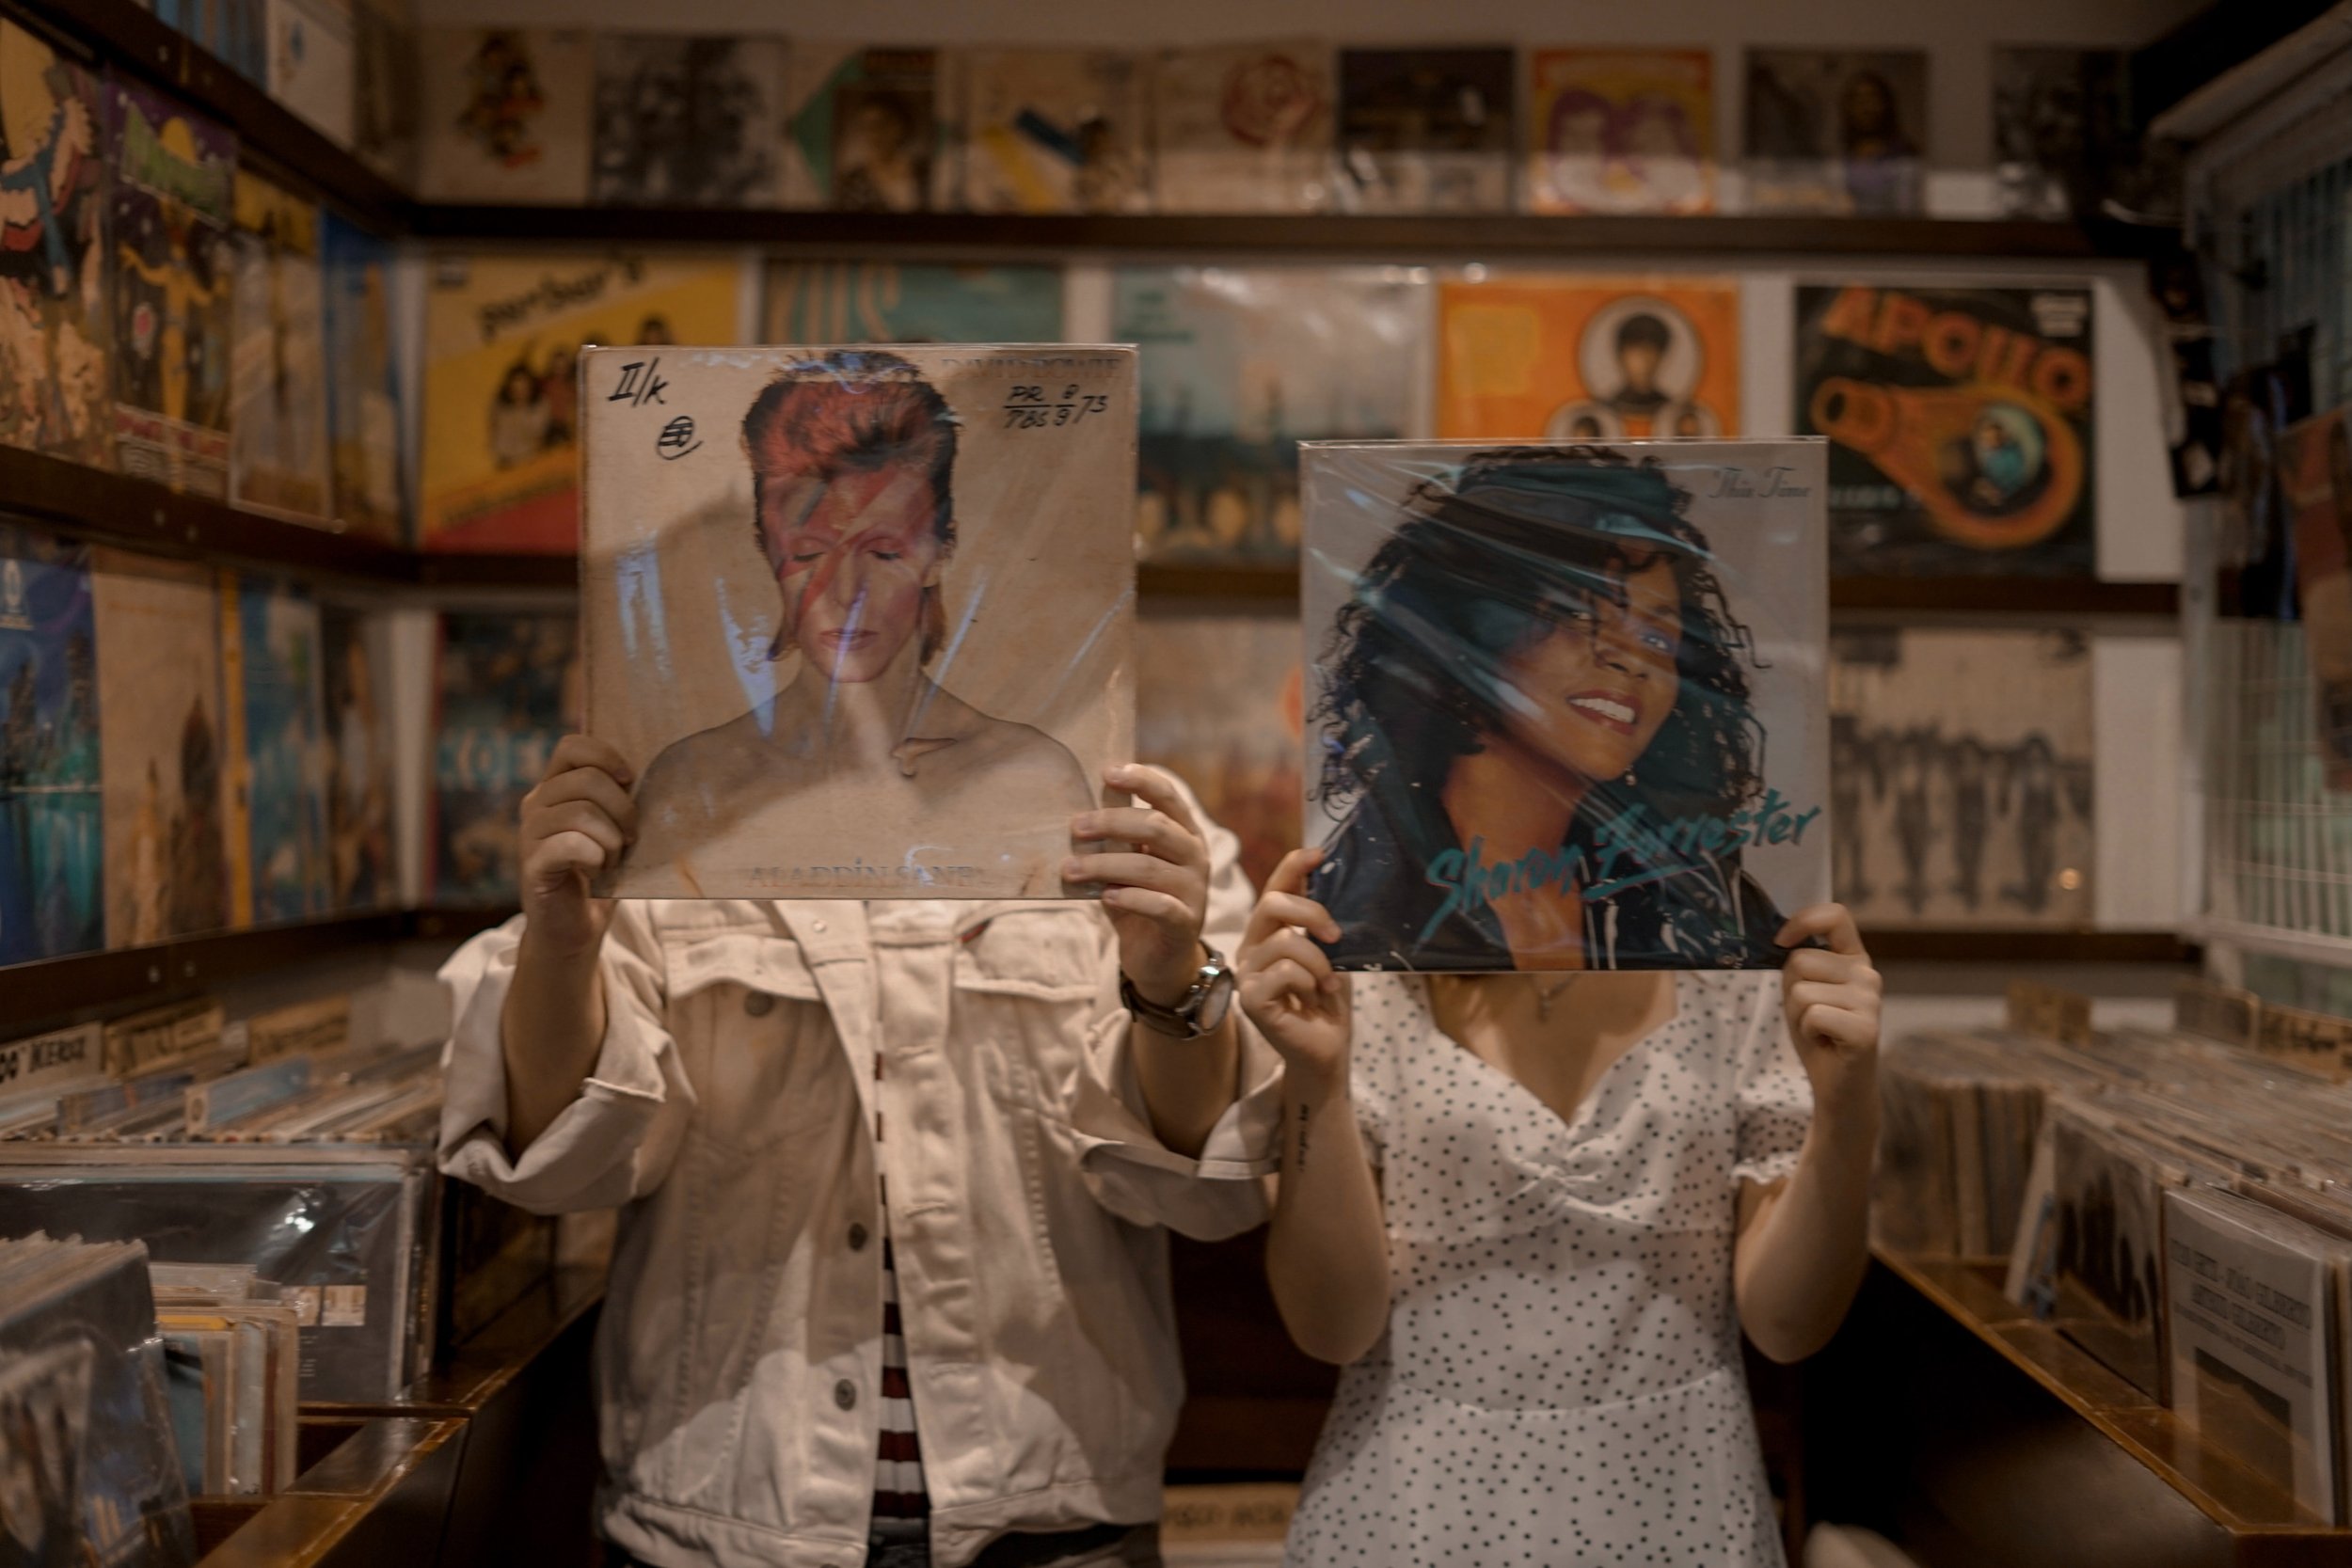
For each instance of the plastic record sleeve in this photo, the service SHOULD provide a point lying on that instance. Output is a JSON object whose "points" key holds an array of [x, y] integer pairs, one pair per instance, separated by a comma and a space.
{"points": [[1566, 705]]}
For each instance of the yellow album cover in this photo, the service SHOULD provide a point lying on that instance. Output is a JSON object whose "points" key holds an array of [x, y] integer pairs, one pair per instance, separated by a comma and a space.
{"points": [[1588, 358], [502, 400], [1621, 131]]}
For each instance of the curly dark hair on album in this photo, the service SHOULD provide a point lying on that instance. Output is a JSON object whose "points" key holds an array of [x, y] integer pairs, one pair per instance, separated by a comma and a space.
{"points": [[1487, 562]]}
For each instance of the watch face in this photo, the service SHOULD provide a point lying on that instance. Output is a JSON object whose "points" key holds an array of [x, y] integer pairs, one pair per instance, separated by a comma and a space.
{"points": [[1214, 1002]]}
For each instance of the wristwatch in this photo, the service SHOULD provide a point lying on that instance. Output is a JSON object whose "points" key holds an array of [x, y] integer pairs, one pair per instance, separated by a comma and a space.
{"points": [[1198, 1012]]}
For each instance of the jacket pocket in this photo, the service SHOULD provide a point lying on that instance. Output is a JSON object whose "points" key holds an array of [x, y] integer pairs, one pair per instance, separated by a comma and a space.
{"points": [[753, 1032], [1041, 951]]}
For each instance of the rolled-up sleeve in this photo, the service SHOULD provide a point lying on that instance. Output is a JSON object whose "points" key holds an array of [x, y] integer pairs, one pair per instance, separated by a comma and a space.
{"points": [[614, 1143], [1129, 1171]]}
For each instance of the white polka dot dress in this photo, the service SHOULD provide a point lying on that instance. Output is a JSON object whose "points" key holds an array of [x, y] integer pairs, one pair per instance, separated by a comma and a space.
{"points": [[1560, 1382]]}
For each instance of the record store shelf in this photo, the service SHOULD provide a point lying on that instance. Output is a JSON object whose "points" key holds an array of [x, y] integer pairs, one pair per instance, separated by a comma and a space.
{"points": [[2001, 1435]]}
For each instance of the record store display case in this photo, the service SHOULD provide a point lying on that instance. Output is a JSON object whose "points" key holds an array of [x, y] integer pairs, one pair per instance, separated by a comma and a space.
{"points": [[1947, 1414]]}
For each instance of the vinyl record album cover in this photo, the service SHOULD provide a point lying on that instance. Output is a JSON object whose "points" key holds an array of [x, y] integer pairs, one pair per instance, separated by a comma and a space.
{"points": [[278, 406], [502, 335], [1243, 128], [160, 722], [1621, 131], [354, 655], [1837, 130], [1426, 130], [173, 294], [1055, 131], [684, 121], [865, 129], [506, 114], [1574, 358], [2045, 103], [1240, 364], [1219, 703], [506, 690], [52, 891], [2111, 1249], [311, 62], [55, 391], [1961, 776], [1564, 703], [278, 868], [2314, 460], [362, 382], [911, 302], [385, 87], [1960, 423], [859, 618]]}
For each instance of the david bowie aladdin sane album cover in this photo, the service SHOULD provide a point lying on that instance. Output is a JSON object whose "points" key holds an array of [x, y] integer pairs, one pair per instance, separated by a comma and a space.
{"points": [[1564, 703], [859, 618]]}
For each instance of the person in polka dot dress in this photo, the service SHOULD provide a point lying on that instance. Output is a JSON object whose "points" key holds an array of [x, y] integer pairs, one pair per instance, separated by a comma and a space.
{"points": [[1530, 1216]]}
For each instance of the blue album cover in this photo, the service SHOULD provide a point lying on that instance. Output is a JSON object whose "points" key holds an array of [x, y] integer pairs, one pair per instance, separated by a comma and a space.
{"points": [[505, 699], [51, 898], [285, 753]]}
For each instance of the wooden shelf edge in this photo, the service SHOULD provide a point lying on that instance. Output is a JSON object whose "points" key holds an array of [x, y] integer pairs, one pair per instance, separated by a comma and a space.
{"points": [[1920, 1274], [1395, 237], [476, 1371], [122, 32]]}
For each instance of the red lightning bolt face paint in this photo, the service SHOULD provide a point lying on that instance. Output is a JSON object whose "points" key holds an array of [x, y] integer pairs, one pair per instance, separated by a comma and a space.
{"points": [[853, 555]]}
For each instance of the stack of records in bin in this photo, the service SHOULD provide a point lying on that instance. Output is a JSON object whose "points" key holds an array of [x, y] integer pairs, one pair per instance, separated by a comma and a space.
{"points": [[232, 1352], [85, 1429]]}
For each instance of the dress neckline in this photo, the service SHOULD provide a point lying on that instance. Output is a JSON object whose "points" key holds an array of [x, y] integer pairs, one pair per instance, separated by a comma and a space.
{"points": [[1569, 1125]]}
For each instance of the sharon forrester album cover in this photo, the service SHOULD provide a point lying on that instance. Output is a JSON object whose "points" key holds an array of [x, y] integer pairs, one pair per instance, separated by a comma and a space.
{"points": [[1565, 704], [859, 620]]}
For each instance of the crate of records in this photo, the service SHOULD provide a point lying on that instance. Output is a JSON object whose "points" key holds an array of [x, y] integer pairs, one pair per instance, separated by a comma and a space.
{"points": [[2177, 1203]]}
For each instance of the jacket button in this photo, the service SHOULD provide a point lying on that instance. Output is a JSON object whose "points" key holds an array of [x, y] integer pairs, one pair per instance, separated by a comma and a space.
{"points": [[818, 926], [857, 1238], [759, 1003], [845, 1394]]}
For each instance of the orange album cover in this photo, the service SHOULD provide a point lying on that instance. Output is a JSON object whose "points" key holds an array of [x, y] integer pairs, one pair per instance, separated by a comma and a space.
{"points": [[1588, 358]]}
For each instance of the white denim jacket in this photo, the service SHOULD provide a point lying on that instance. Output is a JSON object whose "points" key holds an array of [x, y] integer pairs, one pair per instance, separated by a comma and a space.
{"points": [[729, 1111]]}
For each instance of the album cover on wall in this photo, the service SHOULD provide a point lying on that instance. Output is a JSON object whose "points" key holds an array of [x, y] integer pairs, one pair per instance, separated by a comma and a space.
{"points": [[55, 391], [1631, 634], [860, 619], [1961, 427], [173, 294], [911, 302], [1621, 131], [506, 690], [1961, 776], [506, 114], [385, 87], [1240, 364], [1588, 358], [278, 758], [362, 382], [2110, 1248], [684, 121], [865, 129], [502, 336], [311, 62], [277, 432], [1426, 130], [1219, 703], [354, 655], [2314, 462], [160, 724], [1055, 131], [1837, 130], [52, 864], [1243, 128]]}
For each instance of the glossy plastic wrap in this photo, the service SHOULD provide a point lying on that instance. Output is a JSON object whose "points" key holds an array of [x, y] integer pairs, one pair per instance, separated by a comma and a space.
{"points": [[859, 620], [1566, 703]]}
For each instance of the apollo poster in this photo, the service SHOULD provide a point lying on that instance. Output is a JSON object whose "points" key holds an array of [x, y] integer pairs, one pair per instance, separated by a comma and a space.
{"points": [[174, 309], [1961, 776], [1240, 364], [1588, 358], [56, 395], [1243, 128], [504, 332], [1961, 427], [161, 722], [1621, 131], [859, 620], [1563, 703], [52, 893]]}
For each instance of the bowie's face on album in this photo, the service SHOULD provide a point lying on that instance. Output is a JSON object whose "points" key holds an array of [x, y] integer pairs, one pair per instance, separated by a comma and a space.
{"points": [[853, 554], [1590, 695]]}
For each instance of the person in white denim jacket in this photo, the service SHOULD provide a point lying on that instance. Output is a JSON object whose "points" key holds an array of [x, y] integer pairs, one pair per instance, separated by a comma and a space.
{"points": [[711, 1066]]}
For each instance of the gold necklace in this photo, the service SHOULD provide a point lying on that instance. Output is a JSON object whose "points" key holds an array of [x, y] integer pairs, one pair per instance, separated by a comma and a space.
{"points": [[1547, 995]]}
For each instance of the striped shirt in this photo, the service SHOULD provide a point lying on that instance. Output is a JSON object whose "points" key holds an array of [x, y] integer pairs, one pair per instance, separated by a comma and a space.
{"points": [[899, 1491]]}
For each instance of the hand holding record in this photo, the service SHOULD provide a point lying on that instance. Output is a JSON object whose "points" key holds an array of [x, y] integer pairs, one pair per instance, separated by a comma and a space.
{"points": [[576, 822], [1288, 986]]}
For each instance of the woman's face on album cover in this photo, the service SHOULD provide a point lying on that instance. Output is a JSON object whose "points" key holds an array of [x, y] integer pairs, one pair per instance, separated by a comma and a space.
{"points": [[1594, 690], [852, 554]]}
